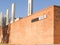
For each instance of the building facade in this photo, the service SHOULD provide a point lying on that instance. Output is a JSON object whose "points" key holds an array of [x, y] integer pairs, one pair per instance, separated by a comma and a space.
{"points": [[42, 27]]}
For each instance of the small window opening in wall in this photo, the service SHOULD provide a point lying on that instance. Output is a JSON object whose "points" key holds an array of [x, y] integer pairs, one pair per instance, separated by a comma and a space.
{"points": [[39, 18], [36, 19]]}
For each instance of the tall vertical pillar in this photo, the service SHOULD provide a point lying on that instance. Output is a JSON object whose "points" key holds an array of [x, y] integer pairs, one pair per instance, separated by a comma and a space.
{"points": [[30, 7], [13, 12], [1, 19], [7, 17]]}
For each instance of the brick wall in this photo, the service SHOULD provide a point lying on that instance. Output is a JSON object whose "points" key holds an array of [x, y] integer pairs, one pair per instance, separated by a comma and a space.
{"points": [[40, 32], [57, 25], [30, 30]]}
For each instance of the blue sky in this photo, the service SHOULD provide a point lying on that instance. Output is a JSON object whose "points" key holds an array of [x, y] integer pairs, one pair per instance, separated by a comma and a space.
{"points": [[22, 6]]}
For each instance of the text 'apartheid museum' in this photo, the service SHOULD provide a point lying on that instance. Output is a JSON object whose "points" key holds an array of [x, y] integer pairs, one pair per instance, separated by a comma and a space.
{"points": [[42, 27]]}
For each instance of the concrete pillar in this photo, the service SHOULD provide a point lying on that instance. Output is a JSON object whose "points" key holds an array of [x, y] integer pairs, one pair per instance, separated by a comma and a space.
{"points": [[7, 17], [1, 19], [30, 7], [13, 12]]}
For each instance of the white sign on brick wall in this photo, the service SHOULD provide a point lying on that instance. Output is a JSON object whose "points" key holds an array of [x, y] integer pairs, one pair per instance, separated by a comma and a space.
{"points": [[42, 17]]}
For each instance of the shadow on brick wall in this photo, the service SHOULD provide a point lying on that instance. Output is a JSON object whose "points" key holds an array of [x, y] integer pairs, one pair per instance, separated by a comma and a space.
{"points": [[6, 33]]}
